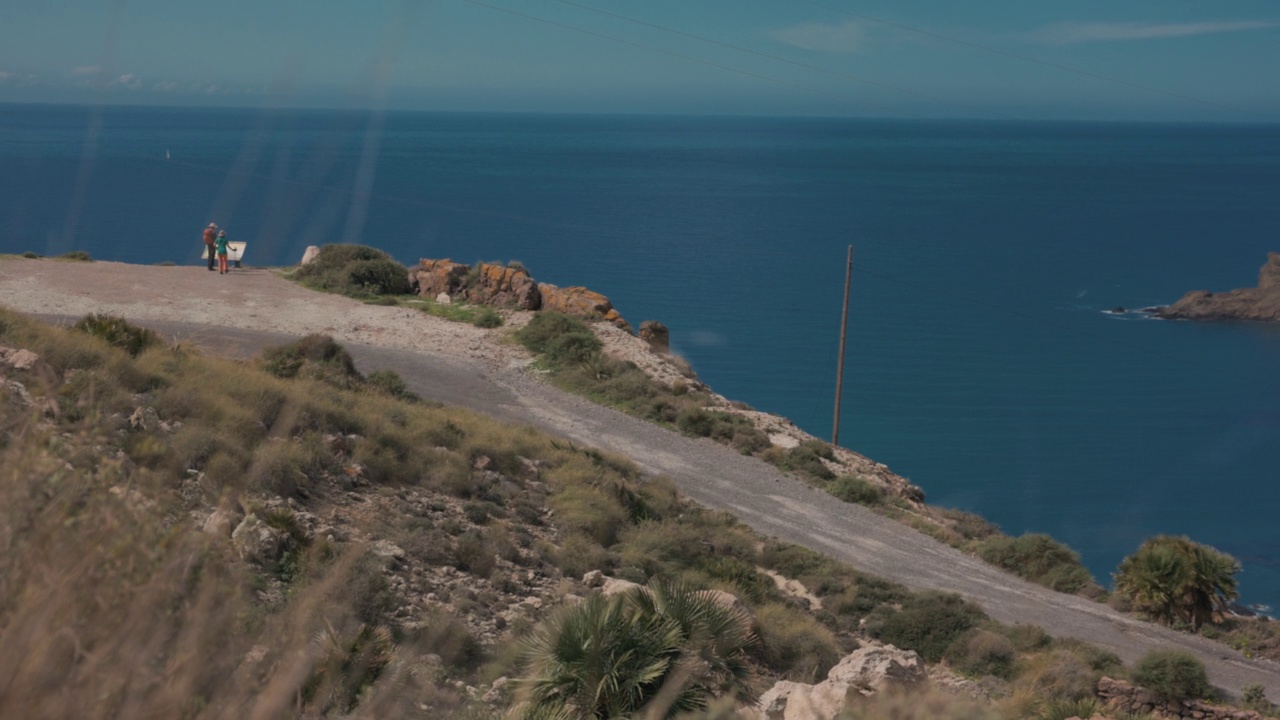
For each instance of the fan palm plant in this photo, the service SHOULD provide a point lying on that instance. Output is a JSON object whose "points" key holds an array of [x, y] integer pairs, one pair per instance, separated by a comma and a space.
{"points": [[662, 649], [1174, 579]]}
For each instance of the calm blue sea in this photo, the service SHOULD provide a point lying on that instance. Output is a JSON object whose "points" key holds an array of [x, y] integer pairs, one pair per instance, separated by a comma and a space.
{"points": [[981, 364]]}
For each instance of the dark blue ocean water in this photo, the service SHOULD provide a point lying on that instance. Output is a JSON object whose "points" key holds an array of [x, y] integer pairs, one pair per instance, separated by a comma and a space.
{"points": [[980, 366]]}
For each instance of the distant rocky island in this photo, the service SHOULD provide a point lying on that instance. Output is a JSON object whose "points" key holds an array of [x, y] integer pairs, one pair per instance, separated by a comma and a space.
{"points": [[1256, 303]]}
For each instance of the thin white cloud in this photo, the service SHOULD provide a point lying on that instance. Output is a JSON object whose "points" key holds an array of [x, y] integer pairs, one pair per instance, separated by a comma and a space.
{"points": [[842, 38], [1072, 33], [129, 80], [4, 76], [84, 70], [165, 86]]}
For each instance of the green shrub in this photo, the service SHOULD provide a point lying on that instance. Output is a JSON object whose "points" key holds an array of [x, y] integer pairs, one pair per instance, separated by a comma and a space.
{"points": [[969, 525], [807, 458], [927, 623], [1172, 675], [852, 489], [545, 327], [794, 644], [1073, 708], [981, 652], [390, 383], [589, 511], [355, 270], [471, 553], [117, 332], [1060, 674], [1254, 697], [322, 357], [75, 256], [867, 593], [572, 348], [1040, 559], [487, 317]]}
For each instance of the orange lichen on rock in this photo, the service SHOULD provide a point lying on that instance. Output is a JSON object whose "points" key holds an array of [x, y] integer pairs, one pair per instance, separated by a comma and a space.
{"points": [[581, 302]]}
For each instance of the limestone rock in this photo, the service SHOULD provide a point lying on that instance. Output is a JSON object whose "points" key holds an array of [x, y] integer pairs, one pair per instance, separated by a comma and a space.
{"points": [[580, 302], [657, 336], [613, 586], [876, 666], [1256, 303], [387, 549], [21, 359], [438, 276], [221, 522], [593, 578], [256, 541], [144, 418], [310, 254], [498, 285], [867, 670], [444, 299]]}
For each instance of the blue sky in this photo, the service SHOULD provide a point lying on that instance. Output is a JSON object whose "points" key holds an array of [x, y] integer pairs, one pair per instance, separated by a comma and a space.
{"points": [[1088, 59]]}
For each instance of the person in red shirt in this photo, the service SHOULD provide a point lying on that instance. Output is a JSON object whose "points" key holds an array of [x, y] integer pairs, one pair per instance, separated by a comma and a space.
{"points": [[210, 237]]}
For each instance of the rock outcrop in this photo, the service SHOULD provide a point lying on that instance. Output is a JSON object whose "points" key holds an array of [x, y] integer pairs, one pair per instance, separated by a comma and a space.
{"points": [[509, 286], [1123, 696], [581, 302], [657, 335], [1257, 303], [870, 669]]}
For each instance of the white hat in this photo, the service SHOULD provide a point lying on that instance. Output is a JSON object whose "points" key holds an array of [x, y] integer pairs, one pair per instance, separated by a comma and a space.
{"points": [[213, 224]]}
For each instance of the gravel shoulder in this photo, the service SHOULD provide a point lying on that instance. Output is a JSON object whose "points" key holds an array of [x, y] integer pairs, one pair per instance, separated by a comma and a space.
{"points": [[239, 313]]}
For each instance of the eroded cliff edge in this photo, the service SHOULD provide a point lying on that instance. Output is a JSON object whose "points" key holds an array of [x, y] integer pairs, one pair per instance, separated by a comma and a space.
{"points": [[1260, 303]]}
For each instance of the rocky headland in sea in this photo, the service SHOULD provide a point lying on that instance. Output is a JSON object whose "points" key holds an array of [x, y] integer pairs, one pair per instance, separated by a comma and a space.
{"points": [[1261, 303]]}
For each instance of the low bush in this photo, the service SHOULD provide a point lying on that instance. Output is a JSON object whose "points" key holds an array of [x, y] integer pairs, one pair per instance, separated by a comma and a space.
{"points": [[1172, 675], [390, 382], [117, 332], [853, 489], [867, 593], [793, 644], [589, 511], [1040, 559], [1064, 709], [75, 256], [547, 326], [969, 525], [571, 348], [286, 361], [807, 458], [928, 622], [1059, 674], [354, 270], [981, 652]]}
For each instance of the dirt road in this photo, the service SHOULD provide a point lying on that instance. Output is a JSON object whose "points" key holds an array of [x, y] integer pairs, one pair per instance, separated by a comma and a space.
{"points": [[496, 383]]}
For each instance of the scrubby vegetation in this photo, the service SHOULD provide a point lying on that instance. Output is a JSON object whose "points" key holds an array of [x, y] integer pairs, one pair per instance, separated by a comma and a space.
{"points": [[354, 270], [386, 554], [1040, 559], [1172, 675], [570, 351]]}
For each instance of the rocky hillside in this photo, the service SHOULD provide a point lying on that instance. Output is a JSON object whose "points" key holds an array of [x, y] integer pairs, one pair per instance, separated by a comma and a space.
{"points": [[1257, 303]]}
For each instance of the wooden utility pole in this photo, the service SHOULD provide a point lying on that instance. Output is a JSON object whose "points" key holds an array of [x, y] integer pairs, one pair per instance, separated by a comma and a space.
{"points": [[844, 327]]}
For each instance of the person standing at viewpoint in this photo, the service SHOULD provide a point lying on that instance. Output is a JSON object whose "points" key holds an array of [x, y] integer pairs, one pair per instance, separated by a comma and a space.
{"points": [[221, 246], [210, 238]]}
